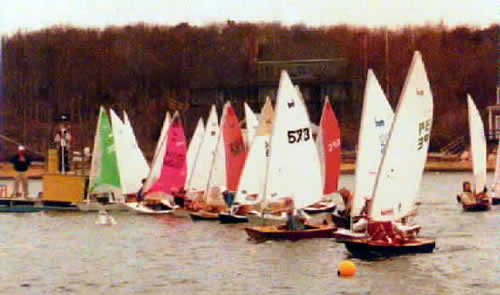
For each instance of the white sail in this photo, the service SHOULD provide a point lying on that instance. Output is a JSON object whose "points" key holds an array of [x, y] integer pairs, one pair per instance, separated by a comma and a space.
{"points": [[204, 160], [118, 129], [376, 121], [478, 146], [131, 162], [251, 123], [217, 176], [293, 168], [398, 181], [251, 186], [161, 148], [163, 132], [194, 148]]}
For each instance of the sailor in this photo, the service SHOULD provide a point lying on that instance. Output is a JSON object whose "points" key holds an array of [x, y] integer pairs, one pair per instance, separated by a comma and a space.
{"points": [[63, 139], [294, 219], [140, 192], [467, 197], [21, 164], [347, 199]]}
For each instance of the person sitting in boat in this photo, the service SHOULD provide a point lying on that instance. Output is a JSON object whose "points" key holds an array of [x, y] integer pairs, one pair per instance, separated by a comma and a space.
{"points": [[140, 192], [179, 197], [294, 219], [362, 223], [347, 199], [228, 197], [467, 197], [483, 195]]}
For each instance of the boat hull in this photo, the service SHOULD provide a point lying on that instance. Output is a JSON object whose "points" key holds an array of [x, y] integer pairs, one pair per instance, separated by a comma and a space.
{"points": [[96, 206], [476, 207], [141, 209], [323, 209], [495, 201], [203, 215], [262, 233], [19, 205], [258, 219], [228, 218], [368, 249]]}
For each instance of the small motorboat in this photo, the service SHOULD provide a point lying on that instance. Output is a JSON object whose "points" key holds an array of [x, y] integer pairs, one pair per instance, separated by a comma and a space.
{"points": [[273, 232]]}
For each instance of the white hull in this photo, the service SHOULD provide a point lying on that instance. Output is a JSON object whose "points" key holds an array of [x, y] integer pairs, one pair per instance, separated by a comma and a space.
{"points": [[96, 206], [141, 209]]}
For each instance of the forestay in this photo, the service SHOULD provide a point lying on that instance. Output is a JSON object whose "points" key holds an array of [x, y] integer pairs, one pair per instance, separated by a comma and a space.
{"points": [[293, 169], [398, 182], [478, 146], [251, 185], [497, 174], [376, 121]]}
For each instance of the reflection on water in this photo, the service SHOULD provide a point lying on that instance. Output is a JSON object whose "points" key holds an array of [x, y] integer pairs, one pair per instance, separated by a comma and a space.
{"points": [[65, 252]]}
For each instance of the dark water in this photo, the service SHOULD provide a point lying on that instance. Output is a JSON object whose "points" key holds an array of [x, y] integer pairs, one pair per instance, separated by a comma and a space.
{"points": [[66, 253]]}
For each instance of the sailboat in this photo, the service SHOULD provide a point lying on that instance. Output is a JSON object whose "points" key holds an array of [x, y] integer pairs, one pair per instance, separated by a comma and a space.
{"points": [[475, 199], [293, 169], [328, 144], [397, 184], [376, 121], [228, 163], [252, 124], [104, 179], [159, 190], [251, 185]]}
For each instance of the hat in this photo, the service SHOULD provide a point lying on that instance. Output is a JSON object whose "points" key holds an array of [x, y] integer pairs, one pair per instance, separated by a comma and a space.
{"points": [[20, 148]]}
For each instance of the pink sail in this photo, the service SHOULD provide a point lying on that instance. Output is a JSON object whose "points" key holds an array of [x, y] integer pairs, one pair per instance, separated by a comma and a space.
{"points": [[236, 152], [174, 170], [330, 137]]}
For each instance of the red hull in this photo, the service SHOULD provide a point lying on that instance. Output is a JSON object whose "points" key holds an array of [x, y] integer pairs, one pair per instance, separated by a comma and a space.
{"points": [[369, 249], [261, 233]]}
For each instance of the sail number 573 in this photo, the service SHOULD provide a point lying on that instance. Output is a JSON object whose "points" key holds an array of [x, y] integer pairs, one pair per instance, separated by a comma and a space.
{"points": [[296, 136]]}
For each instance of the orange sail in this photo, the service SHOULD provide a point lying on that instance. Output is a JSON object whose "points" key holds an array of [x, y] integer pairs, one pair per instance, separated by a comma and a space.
{"points": [[236, 152], [329, 147]]}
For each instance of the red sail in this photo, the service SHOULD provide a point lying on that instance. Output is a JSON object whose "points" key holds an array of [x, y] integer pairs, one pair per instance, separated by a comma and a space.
{"points": [[174, 170], [330, 133], [234, 145]]}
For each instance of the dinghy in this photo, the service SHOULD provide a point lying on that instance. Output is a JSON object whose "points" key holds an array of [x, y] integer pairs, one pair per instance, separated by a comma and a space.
{"points": [[397, 187], [251, 184], [293, 169], [376, 121], [328, 143], [476, 199]]}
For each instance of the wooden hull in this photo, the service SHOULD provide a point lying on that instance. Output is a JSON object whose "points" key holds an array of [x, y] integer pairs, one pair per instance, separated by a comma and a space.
{"points": [[202, 215], [258, 219], [262, 233], [330, 207], [141, 209], [227, 218], [367, 249]]}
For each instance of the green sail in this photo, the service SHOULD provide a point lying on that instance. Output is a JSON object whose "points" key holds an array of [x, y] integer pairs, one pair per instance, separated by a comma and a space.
{"points": [[104, 173]]}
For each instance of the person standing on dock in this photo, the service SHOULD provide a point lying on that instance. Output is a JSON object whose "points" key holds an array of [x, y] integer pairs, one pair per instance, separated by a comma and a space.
{"points": [[21, 164], [63, 139]]}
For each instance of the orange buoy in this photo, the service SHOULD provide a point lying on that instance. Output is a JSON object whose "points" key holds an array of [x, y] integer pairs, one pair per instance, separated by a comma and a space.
{"points": [[346, 269]]}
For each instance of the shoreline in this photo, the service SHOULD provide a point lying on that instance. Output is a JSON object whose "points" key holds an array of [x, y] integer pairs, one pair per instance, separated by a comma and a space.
{"points": [[37, 170]]}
